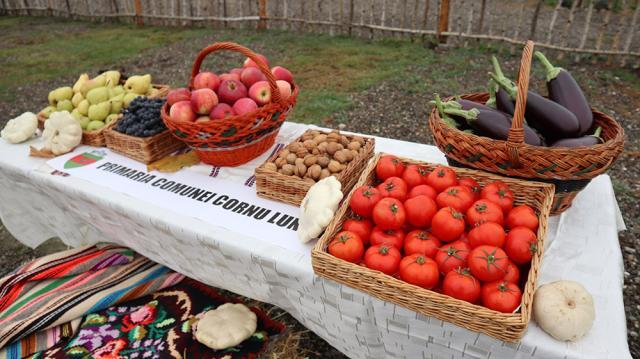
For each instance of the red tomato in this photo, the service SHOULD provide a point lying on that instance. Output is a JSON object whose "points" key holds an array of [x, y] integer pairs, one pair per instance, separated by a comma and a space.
{"points": [[389, 166], [361, 227], [389, 213], [393, 187], [447, 224], [524, 216], [484, 211], [419, 270], [488, 233], [460, 284], [501, 296], [348, 246], [452, 256], [391, 237], [488, 263], [500, 194], [457, 197], [521, 245], [464, 238], [420, 210], [471, 184], [363, 200], [513, 273], [415, 175], [441, 178], [383, 258], [423, 189], [421, 242]]}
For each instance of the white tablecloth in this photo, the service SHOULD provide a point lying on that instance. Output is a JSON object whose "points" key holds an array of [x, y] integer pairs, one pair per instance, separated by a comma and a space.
{"points": [[582, 245]]}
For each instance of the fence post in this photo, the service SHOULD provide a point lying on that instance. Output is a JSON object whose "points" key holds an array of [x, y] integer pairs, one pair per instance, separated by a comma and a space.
{"points": [[262, 12], [534, 22], [443, 20], [139, 19], [350, 16], [49, 8], [68, 8], [481, 21]]}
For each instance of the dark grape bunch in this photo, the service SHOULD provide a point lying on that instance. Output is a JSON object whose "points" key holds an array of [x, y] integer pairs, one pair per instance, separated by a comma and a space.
{"points": [[142, 118]]}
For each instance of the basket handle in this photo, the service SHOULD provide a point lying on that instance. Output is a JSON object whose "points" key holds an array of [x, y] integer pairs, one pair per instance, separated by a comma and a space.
{"points": [[232, 46], [515, 139]]}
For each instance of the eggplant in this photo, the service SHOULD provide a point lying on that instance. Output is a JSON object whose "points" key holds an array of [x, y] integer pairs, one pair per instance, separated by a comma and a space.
{"points": [[564, 89], [584, 141], [444, 116], [492, 123], [468, 105]]}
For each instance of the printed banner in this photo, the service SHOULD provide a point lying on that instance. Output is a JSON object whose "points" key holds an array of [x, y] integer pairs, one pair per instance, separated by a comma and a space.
{"points": [[224, 203]]}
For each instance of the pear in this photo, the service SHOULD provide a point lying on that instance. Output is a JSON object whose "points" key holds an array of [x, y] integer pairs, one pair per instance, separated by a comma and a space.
{"points": [[84, 122], [95, 125], [76, 99], [115, 91], [89, 85], [113, 78], [64, 105], [59, 94], [77, 115], [79, 82], [111, 118], [97, 95], [47, 111], [128, 98], [99, 111], [83, 107], [117, 103], [138, 84]]}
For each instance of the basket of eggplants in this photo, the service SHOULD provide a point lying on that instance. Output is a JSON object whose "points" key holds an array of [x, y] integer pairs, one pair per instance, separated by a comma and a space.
{"points": [[513, 131]]}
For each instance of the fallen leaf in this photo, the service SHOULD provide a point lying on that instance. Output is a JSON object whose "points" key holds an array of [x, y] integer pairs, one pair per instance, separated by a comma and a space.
{"points": [[174, 163]]}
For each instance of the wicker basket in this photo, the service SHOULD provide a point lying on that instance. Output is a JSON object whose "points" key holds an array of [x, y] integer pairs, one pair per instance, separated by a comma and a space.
{"points": [[292, 189], [569, 169], [503, 326], [234, 140]]}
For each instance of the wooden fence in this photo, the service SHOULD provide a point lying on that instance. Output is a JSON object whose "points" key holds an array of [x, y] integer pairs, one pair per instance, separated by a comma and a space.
{"points": [[605, 28]]}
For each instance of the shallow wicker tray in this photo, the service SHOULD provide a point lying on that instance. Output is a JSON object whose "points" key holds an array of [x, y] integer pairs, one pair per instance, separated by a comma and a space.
{"points": [[503, 326], [292, 189], [142, 149]]}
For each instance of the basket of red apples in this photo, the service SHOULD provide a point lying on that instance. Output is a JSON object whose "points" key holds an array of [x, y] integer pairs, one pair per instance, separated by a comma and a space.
{"points": [[232, 118]]}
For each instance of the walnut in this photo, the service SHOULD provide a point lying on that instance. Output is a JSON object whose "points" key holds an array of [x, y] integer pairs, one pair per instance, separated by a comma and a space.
{"points": [[358, 139], [301, 152], [280, 162], [325, 173], [334, 166], [310, 160], [314, 172], [340, 156], [294, 146], [315, 151], [287, 169], [291, 158], [354, 153], [354, 145], [344, 140], [323, 161], [320, 138], [322, 147], [333, 147], [298, 161], [310, 180], [333, 137], [270, 166], [347, 154], [300, 170], [309, 144], [283, 153]]}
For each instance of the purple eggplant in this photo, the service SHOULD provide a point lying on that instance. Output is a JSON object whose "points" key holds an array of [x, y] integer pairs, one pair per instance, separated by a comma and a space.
{"points": [[563, 89], [584, 141], [468, 105]]}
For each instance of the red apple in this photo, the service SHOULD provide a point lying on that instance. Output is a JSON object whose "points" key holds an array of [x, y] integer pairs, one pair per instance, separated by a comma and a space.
{"points": [[237, 70], [285, 89], [250, 63], [282, 74], [203, 101], [251, 75], [180, 94], [202, 119], [260, 92], [206, 80], [181, 112], [244, 105], [225, 77], [231, 90], [222, 110]]}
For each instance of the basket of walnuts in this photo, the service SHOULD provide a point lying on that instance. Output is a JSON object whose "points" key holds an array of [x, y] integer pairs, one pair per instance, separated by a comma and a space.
{"points": [[288, 174]]}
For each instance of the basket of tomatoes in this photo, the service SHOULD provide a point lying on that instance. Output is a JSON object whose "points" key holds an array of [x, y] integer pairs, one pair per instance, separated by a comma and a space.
{"points": [[457, 244]]}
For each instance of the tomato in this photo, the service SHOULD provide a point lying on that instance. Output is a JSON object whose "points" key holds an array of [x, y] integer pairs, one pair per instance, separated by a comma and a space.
{"points": [[348, 246], [441, 178], [389, 166], [383, 258], [392, 237], [460, 284], [501, 296], [457, 197], [488, 263], [423, 189], [484, 211], [389, 213], [420, 210], [393, 187], [512, 274], [363, 200], [419, 270], [472, 185], [521, 245], [447, 224], [499, 193], [361, 227], [488, 233], [464, 238], [524, 216], [421, 242], [415, 175], [452, 256]]}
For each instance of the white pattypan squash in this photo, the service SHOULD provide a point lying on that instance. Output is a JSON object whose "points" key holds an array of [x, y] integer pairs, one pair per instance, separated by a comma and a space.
{"points": [[62, 133], [20, 128], [564, 309], [318, 207], [226, 326]]}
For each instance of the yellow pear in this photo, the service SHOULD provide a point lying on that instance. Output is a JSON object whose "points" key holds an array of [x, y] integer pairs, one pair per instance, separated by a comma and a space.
{"points": [[138, 84], [113, 78], [115, 91], [79, 82], [59, 94], [84, 122], [47, 111], [76, 99], [95, 125], [89, 85], [64, 105], [99, 111], [128, 98], [97, 95], [83, 107], [76, 114], [111, 118], [117, 103]]}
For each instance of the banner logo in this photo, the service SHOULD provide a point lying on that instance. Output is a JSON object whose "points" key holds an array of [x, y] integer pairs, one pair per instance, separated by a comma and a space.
{"points": [[85, 159]]}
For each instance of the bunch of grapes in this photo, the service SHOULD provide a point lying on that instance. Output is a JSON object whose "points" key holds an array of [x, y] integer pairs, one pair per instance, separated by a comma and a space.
{"points": [[142, 118]]}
